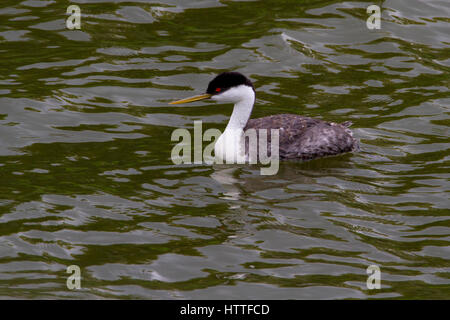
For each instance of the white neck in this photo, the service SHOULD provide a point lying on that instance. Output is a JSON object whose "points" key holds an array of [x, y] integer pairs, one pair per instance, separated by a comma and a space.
{"points": [[242, 108], [228, 145]]}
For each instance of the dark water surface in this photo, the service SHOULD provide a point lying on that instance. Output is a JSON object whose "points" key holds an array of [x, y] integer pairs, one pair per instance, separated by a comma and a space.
{"points": [[85, 171]]}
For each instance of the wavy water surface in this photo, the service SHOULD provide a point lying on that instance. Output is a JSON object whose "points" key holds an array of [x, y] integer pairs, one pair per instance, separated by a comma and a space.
{"points": [[86, 177]]}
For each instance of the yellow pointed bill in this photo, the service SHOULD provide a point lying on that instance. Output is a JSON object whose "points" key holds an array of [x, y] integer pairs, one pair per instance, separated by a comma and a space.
{"points": [[192, 99]]}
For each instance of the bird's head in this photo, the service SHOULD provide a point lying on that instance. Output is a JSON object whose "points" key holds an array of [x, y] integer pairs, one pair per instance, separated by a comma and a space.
{"points": [[226, 87]]}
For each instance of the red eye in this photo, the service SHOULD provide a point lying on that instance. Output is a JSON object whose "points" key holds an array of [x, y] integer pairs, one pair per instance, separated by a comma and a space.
{"points": [[218, 89]]}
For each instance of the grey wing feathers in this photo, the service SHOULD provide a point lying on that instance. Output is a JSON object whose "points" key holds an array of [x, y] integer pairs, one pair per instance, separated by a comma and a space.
{"points": [[307, 138]]}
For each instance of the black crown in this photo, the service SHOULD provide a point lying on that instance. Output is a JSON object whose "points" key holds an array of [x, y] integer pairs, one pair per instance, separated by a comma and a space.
{"points": [[227, 80]]}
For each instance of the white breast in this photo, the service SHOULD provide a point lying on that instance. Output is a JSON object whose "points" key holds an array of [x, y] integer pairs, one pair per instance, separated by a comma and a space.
{"points": [[230, 147]]}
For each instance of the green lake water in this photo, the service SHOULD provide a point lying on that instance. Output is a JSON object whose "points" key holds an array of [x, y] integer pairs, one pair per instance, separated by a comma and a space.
{"points": [[86, 176]]}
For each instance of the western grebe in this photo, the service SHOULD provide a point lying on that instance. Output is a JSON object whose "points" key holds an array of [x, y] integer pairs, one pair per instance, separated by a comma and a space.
{"points": [[299, 137]]}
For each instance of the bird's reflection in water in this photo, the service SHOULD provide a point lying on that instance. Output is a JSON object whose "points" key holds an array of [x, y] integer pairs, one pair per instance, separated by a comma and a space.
{"points": [[251, 196], [226, 176], [238, 180], [255, 202]]}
